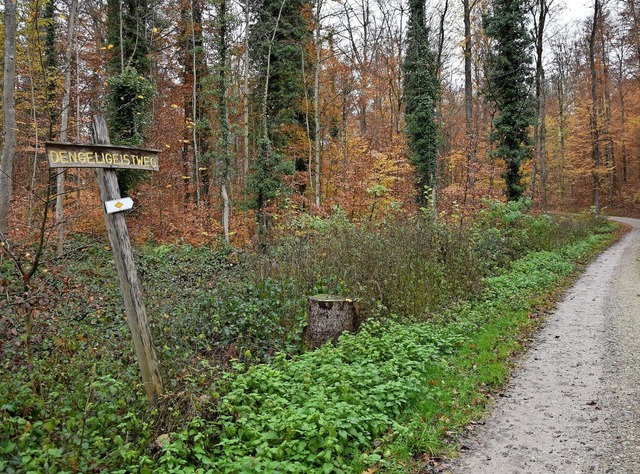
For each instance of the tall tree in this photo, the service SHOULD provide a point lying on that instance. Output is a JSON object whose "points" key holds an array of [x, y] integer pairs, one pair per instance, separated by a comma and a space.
{"points": [[64, 125], [129, 26], [195, 148], [595, 113], [420, 96], [223, 115], [509, 84], [316, 98], [9, 112], [540, 12], [280, 38]]}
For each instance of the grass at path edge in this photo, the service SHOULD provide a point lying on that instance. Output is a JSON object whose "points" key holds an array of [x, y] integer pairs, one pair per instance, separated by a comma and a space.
{"points": [[499, 329]]}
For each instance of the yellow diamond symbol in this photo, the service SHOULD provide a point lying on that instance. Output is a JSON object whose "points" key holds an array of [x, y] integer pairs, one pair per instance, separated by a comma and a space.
{"points": [[118, 204]]}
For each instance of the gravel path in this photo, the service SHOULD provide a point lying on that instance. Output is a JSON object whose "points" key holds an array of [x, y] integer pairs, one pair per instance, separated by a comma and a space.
{"points": [[573, 405]]}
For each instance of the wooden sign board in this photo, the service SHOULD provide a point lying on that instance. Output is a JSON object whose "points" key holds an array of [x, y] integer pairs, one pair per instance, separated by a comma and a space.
{"points": [[72, 155]]}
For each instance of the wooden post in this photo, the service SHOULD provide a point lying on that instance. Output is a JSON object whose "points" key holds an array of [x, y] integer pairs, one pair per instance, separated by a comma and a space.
{"points": [[328, 317], [127, 274]]}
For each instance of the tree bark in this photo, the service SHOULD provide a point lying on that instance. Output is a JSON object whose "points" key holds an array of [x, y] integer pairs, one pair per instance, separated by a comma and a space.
{"points": [[540, 130], [223, 117], [245, 92], [9, 112], [328, 317], [316, 100], [66, 100], [595, 126]]}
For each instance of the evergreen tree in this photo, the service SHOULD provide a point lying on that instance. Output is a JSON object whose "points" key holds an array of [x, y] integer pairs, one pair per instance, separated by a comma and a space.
{"points": [[509, 88], [420, 94]]}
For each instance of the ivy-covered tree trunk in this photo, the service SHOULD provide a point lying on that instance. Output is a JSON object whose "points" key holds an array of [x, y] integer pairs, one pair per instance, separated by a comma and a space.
{"points": [[279, 39], [420, 96], [223, 116], [129, 27], [509, 84]]}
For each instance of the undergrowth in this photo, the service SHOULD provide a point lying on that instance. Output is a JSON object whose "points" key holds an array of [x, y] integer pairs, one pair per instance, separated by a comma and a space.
{"points": [[446, 308]]}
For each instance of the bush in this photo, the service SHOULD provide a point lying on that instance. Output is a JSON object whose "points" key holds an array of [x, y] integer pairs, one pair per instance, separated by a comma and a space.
{"points": [[407, 268]]}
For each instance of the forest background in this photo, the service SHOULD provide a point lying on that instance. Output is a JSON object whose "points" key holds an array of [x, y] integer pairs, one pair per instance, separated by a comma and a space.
{"points": [[188, 78]]}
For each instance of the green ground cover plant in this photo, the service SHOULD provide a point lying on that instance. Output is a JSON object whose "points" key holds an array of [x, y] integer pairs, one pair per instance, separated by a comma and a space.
{"points": [[242, 393]]}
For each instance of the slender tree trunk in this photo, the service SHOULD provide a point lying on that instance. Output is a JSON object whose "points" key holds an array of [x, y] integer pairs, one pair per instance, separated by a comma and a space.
{"points": [[66, 100], [223, 116], [468, 101], [316, 101], [9, 112], [542, 140], [36, 131], [539, 131], [609, 155], [623, 117], [194, 100], [245, 91], [595, 126], [441, 40]]}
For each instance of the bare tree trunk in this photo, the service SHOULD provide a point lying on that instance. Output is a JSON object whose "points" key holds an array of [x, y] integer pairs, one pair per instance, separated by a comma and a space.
{"points": [[66, 100], [194, 101], [245, 91], [9, 112], [542, 140], [468, 101], [540, 131], [595, 126], [623, 115], [316, 100], [194, 68], [441, 40], [609, 155], [36, 130]]}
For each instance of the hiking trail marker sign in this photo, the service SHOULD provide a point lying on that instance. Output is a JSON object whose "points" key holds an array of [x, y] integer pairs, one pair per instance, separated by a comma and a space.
{"points": [[106, 159]]}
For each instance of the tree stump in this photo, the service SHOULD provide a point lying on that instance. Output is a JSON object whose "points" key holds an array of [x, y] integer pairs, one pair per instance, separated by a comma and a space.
{"points": [[328, 317]]}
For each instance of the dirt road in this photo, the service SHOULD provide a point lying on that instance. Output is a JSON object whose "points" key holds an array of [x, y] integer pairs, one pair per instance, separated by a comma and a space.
{"points": [[573, 405]]}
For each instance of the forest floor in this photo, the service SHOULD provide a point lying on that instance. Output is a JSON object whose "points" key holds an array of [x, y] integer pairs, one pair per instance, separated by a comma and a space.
{"points": [[573, 404]]}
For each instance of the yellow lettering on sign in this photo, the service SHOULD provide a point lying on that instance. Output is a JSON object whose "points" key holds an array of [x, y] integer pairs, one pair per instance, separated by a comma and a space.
{"points": [[108, 157]]}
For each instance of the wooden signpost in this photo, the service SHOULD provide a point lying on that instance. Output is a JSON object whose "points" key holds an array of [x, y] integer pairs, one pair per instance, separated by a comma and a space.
{"points": [[106, 159]]}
